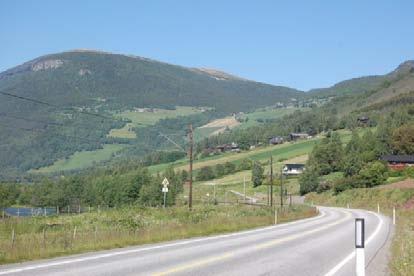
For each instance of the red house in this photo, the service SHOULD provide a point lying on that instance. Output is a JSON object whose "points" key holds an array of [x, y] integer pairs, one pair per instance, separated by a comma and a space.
{"points": [[398, 162]]}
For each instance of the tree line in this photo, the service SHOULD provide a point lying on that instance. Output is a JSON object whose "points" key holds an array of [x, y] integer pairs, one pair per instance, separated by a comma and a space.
{"points": [[359, 160], [104, 188]]}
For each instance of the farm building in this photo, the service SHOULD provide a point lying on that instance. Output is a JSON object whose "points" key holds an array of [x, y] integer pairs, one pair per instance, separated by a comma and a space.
{"points": [[296, 136], [293, 169], [398, 162], [234, 147], [276, 140]]}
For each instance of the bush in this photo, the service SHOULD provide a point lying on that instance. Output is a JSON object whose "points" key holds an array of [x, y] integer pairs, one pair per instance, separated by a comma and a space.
{"points": [[373, 174], [257, 174], [346, 184], [324, 186], [308, 181], [205, 173], [246, 164], [220, 170], [229, 168], [408, 172]]}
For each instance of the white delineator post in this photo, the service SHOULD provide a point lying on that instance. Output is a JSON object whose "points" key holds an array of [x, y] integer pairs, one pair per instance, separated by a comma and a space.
{"points": [[393, 216], [360, 246], [378, 208]]}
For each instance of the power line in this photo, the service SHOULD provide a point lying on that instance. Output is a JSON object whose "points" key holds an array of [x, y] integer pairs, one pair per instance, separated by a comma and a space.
{"points": [[2, 114], [56, 106], [39, 130]]}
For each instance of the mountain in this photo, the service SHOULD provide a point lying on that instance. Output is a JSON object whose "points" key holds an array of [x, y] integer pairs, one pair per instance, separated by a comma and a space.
{"points": [[364, 84], [59, 104], [78, 77]]}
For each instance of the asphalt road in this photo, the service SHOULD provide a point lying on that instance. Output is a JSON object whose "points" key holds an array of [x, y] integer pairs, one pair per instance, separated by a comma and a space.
{"points": [[323, 245]]}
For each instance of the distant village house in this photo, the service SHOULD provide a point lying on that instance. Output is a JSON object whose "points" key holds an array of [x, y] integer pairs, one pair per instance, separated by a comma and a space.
{"points": [[398, 162], [297, 136], [276, 140], [293, 169]]}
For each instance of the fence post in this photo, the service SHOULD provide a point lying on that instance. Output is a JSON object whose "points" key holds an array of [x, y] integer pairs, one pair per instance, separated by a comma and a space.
{"points": [[95, 234], [57, 210], [18, 212], [13, 238], [74, 233], [68, 209], [44, 237], [275, 215], [79, 209], [44, 211]]}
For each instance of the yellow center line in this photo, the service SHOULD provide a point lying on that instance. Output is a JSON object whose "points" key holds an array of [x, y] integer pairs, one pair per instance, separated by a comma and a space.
{"points": [[228, 255], [195, 264]]}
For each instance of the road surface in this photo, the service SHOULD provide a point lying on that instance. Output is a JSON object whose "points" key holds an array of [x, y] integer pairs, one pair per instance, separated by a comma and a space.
{"points": [[323, 245]]}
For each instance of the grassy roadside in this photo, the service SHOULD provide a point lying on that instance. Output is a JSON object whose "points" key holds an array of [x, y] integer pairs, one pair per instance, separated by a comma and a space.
{"points": [[46, 237], [402, 261]]}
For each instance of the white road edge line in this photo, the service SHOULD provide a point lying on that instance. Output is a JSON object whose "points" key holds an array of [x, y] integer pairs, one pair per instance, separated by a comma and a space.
{"points": [[336, 268], [107, 255]]}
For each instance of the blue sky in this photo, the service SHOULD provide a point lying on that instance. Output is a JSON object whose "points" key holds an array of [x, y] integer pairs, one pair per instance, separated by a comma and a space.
{"points": [[301, 44]]}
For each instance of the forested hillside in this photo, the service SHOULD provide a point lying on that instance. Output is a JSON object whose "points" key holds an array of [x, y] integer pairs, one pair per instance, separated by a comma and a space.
{"points": [[58, 104], [371, 97]]}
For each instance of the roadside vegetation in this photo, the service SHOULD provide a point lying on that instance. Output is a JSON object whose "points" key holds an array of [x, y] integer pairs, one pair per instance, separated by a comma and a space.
{"points": [[23, 239]]}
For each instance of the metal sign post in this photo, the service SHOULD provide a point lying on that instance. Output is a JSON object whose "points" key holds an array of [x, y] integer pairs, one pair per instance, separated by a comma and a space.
{"points": [[360, 246], [165, 184]]}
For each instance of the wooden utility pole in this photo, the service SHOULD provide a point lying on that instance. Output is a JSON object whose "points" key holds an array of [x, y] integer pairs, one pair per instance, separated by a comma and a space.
{"points": [[281, 187], [190, 173], [271, 180]]}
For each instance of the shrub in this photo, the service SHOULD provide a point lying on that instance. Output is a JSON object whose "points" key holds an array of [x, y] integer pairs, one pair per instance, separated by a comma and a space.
{"points": [[257, 174], [205, 173], [246, 164], [408, 172], [373, 174], [308, 181], [346, 184]]}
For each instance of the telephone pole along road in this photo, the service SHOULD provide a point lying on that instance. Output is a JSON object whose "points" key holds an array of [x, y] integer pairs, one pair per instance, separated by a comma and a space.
{"points": [[323, 245]]}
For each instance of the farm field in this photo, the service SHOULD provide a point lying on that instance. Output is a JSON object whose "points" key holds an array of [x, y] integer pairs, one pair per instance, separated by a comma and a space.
{"points": [[125, 132], [81, 160], [215, 127], [146, 118], [235, 182], [266, 114], [285, 151]]}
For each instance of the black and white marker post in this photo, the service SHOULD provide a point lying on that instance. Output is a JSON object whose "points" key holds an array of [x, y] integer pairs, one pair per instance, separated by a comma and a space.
{"points": [[360, 246]]}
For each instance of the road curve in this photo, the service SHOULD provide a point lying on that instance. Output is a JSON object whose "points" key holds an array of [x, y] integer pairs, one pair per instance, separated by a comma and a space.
{"points": [[322, 245]]}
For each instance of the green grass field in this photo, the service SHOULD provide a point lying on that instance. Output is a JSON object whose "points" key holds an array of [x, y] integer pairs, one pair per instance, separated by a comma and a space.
{"points": [[125, 132], [147, 118], [266, 114], [142, 119], [201, 133], [284, 151], [81, 160]]}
